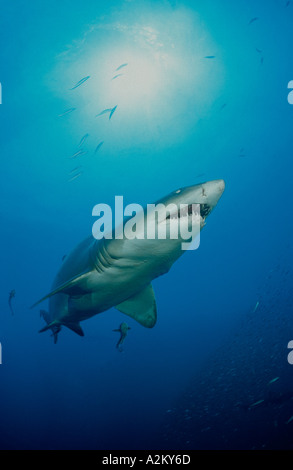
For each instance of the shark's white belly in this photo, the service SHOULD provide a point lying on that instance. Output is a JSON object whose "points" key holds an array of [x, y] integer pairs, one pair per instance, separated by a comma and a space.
{"points": [[104, 288]]}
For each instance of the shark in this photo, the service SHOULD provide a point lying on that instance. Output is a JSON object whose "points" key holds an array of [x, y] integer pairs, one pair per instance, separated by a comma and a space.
{"points": [[100, 274], [123, 330], [11, 296]]}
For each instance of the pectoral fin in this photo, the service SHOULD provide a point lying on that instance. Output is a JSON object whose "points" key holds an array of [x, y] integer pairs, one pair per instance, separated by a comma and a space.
{"points": [[141, 307], [63, 288]]}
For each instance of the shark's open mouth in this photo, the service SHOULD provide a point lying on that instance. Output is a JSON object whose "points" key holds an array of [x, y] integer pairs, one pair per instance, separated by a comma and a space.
{"points": [[205, 210], [191, 209]]}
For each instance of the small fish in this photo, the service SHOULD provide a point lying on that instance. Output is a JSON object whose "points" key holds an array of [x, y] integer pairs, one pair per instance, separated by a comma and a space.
{"points": [[253, 20], [121, 67], [210, 57], [74, 177], [11, 296], [112, 112], [80, 82], [75, 169], [261, 60], [258, 50], [104, 112], [83, 139], [108, 110], [256, 307], [123, 330], [99, 146], [273, 380], [223, 106], [289, 420], [78, 154], [259, 402], [118, 75], [68, 111], [287, 4]]}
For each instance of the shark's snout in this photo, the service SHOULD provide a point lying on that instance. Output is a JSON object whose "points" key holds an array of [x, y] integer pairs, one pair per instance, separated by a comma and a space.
{"points": [[221, 185], [212, 191]]}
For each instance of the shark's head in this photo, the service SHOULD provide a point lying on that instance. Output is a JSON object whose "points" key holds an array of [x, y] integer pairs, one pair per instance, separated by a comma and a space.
{"points": [[170, 226], [181, 201], [184, 211]]}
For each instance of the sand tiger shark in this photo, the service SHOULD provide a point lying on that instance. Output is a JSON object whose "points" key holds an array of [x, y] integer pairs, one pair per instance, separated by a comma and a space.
{"points": [[100, 274]]}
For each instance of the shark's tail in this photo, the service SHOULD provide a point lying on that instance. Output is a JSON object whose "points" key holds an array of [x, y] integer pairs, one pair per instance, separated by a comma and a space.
{"points": [[119, 345]]}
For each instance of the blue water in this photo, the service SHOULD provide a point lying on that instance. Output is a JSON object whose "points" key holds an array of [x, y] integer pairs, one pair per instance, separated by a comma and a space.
{"points": [[181, 119]]}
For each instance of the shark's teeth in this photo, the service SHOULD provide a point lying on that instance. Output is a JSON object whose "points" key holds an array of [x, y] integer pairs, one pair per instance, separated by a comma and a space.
{"points": [[205, 209], [191, 209]]}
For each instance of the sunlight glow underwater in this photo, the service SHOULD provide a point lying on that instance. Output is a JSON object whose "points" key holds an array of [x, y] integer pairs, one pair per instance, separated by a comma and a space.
{"points": [[165, 78]]}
